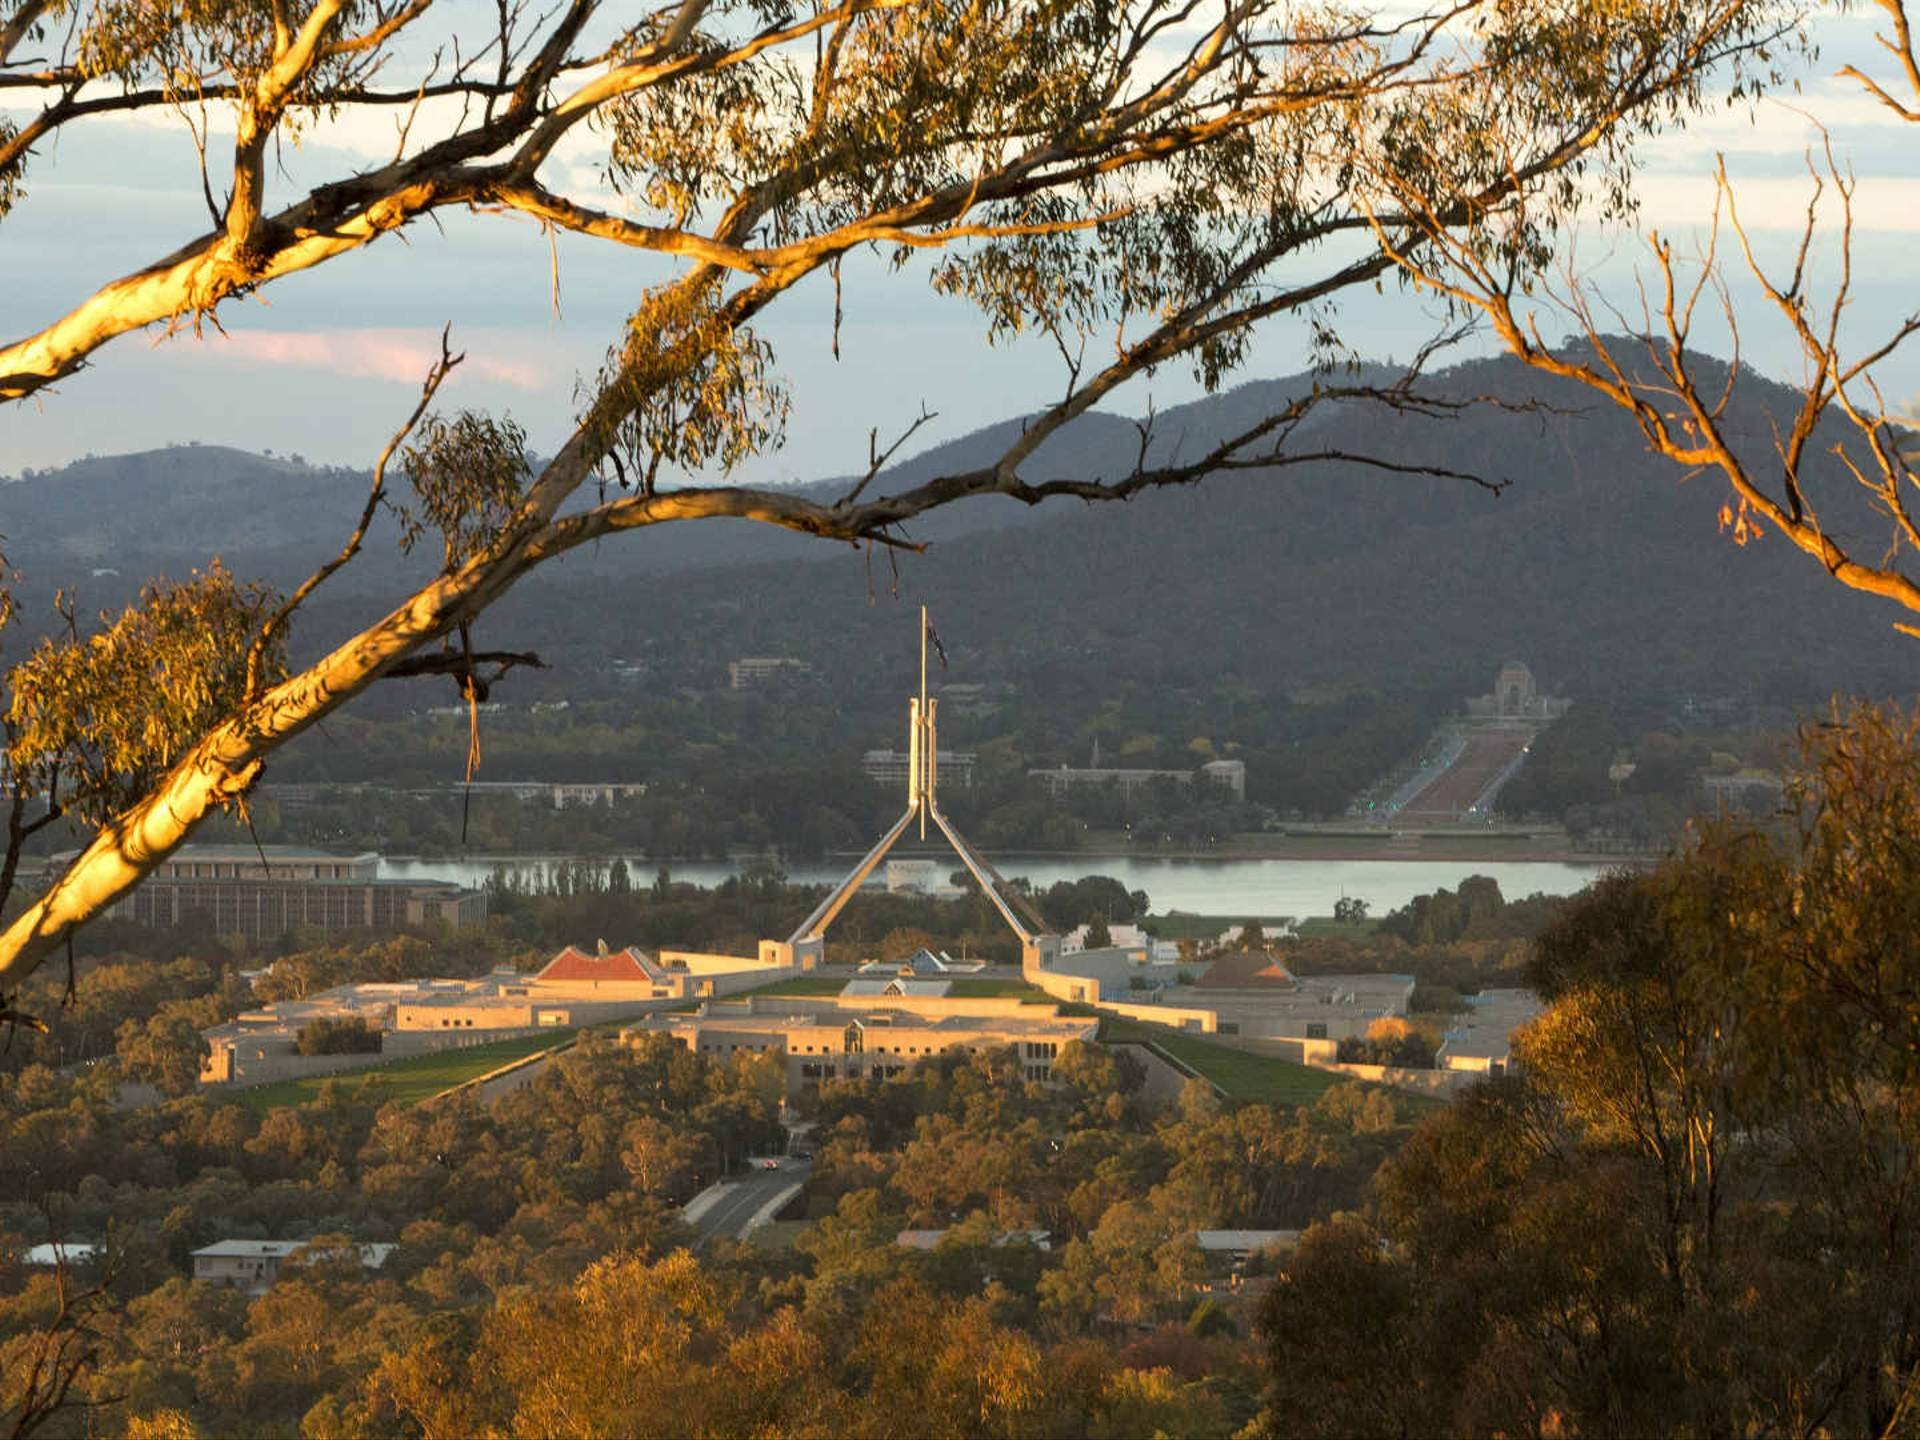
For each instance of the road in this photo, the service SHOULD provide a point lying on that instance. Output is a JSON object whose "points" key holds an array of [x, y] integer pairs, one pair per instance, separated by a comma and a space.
{"points": [[729, 1209], [1464, 783]]}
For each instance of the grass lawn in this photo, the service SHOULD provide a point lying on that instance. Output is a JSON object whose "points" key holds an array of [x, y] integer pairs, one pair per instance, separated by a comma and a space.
{"points": [[1325, 927], [409, 1081], [1251, 1077], [798, 985], [975, 988], [1243, 1076]]}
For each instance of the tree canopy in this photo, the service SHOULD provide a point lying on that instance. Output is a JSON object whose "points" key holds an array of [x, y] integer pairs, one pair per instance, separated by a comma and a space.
{"points": [[1694, 1209]]}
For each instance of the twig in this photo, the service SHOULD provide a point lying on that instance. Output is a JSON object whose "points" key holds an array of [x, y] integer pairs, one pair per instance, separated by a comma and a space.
{"points": [[877, 459], [436, 376]]}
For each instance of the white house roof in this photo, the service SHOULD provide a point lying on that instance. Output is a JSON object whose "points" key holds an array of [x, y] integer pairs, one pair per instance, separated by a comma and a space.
{"points": [[1243, 1241], [250, 1249], [48, 1256], [371, 1256], [930, 1239]]}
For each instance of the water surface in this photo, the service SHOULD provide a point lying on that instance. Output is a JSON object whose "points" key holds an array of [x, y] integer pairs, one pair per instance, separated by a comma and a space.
{"points": [[1271, 889]]}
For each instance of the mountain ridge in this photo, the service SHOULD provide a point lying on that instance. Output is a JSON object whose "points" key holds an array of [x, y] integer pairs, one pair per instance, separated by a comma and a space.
{"points": [[1596, 561]]}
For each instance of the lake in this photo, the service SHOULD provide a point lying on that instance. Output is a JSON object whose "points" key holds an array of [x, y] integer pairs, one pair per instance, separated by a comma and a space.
{"points": [[1270, 889]]}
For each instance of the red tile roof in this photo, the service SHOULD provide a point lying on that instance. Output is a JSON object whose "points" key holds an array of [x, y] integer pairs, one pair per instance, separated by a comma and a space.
{"points": [[620, 967]]}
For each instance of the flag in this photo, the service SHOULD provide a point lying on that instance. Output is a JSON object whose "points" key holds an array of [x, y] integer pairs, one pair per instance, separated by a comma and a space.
{"points": [[938, 649]]}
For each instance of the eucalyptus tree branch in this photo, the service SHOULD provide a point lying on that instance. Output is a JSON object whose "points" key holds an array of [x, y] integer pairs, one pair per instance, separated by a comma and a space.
{"points": [[276, 624], [534, 199], [260, 113], [19, 828], [383, 30], [1900, 46], [64, 1347], [206, 88], [1683, 421], [877, 458], [20, 26], [251, 249], [875, 519]]}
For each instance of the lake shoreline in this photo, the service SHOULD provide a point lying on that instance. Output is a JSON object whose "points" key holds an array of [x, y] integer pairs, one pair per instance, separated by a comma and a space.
{"points": [[1291, 883], [1439, 852], [1387, 849]]}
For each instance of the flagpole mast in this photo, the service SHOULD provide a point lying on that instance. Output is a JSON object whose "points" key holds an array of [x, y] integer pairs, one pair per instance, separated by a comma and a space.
{"points": [[926, 739]]}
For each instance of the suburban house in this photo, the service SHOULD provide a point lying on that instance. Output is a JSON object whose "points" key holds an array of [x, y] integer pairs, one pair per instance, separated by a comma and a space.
{"points": [[254, 1265]]}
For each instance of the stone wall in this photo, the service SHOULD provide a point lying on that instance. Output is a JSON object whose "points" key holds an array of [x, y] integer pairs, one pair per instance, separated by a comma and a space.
{"points": [[1075, 989], [250, 1070], [500, 1018], [1174, 1017], [1164, 1080], [752, 979], [703, 962]]}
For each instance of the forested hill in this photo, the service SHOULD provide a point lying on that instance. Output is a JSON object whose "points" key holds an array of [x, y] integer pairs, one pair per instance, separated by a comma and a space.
{"points": [[168, 511], [1600, 565]]}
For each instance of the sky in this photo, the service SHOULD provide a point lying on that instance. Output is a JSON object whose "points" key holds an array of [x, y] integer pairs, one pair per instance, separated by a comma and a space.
{"points": [[324, 365]]}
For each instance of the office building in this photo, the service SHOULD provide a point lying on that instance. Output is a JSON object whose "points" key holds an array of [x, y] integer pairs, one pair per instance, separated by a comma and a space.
{"points": [[263, 892], [1227, 775], [893, 767], [873, 1030], [755, 672]]}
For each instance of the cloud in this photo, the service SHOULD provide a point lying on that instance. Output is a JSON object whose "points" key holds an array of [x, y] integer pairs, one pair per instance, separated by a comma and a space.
{"points": [[374, 354], [1881, 203]]}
